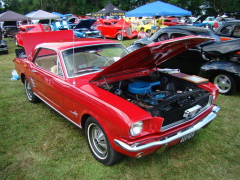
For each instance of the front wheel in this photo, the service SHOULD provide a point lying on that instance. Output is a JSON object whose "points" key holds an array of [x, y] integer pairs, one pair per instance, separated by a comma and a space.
{"points": [[119, 37], [29, 92], [225, 83], [99, 145]]}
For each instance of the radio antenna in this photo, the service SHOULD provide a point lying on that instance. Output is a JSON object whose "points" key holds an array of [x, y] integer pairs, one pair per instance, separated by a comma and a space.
{"points": [[74, 82]]}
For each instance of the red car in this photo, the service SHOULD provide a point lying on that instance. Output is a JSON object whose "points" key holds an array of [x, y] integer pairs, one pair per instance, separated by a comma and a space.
{"points": [[125, 104], [169, 21], [30, 28], [114, 28]]}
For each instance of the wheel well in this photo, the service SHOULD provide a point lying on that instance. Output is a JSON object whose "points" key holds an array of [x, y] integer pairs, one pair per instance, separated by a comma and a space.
{"points": [[22, 78], [84, 119]]}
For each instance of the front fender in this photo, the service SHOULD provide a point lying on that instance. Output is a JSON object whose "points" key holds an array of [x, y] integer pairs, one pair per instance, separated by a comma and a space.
{"points": [[208, 70]]}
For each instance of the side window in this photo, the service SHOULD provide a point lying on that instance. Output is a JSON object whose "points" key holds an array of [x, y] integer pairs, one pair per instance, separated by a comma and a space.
{"points": [[163, 37], [176, 35], [107, 23], [226, 30], [236, 31], [47, 59]]}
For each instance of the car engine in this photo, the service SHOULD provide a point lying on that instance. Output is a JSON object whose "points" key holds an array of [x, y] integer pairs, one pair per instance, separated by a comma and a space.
{"points": [[163, 95]]}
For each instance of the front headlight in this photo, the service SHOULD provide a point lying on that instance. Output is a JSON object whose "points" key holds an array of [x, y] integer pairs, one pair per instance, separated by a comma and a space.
{"points": [[136, 128]]}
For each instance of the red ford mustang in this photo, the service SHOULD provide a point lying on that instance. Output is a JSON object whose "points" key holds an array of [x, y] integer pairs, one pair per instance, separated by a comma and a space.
{"points": [[125, 104]]}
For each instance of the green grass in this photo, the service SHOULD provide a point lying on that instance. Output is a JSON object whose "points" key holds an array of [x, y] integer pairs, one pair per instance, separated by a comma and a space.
{"points": [[38, 143]]}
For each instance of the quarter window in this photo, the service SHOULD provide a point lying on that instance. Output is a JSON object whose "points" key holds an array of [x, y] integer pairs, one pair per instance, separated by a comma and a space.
{"points": [[226, 30], [47, 59]]}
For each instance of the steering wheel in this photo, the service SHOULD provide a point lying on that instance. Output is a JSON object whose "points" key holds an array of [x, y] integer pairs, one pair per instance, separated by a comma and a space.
{"points": [[108, 59]]}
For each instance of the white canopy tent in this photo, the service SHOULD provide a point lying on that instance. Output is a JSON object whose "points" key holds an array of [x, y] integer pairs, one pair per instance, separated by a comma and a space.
{"points": [[40, 14]]}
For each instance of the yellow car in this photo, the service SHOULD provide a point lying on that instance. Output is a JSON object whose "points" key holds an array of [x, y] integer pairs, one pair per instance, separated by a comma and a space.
{"points": [[149, 27]]}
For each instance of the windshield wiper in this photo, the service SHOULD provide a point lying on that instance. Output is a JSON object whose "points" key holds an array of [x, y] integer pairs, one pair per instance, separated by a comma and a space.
{"points": [[86, 70]]}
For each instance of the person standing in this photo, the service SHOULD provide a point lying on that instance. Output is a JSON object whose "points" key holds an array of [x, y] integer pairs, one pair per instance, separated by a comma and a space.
{"points": [[130, 22], [142, 33], [135, 24]]}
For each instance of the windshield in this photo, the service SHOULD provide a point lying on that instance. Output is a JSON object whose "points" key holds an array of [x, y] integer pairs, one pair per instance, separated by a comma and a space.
{"points": [[90, 59]]}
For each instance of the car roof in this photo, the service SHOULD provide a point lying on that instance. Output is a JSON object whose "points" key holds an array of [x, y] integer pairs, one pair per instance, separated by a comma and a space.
{"points": [[188, 28], [232, 22]]}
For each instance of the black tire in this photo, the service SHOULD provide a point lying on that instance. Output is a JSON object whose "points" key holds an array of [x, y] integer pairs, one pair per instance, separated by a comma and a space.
{"points": [[148, 31], [225, 83], [6, 52], [29, 92], [119, 37], [99, 144]]}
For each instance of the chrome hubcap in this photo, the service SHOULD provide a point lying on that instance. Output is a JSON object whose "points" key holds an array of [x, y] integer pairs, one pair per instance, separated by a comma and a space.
{"points": [[28, 91], [223, 83], [98, 141]]}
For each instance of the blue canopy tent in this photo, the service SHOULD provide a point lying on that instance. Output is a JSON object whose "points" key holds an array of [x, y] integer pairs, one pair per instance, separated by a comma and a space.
{"points": [[158, 8]]}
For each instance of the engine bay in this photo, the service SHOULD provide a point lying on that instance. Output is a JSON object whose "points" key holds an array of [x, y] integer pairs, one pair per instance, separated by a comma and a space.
{"points": [[161, 94]]}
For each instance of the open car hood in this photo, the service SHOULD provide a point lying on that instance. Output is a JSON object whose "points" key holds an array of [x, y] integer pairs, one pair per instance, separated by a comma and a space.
{"points": [[201, 18], [151, 55], [85, 23], [222, 47], [9, 23]]}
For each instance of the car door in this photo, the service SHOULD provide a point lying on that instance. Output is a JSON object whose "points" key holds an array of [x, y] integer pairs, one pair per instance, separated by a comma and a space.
{"points": [[236, 31], [48, 79], [109, 30]]}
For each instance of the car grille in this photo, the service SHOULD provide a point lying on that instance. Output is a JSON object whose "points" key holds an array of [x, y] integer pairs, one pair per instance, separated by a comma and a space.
{"points": [[129, 31], [173, 110], [92, 34]]}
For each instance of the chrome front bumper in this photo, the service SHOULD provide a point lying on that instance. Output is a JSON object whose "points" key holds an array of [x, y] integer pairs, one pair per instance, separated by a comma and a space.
{"points": [[179, 135]]}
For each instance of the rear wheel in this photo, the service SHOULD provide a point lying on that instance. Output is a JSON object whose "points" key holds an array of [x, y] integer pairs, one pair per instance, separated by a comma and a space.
{"points": [[225, 83], [119, 37], [99, 144], [29, 92]]}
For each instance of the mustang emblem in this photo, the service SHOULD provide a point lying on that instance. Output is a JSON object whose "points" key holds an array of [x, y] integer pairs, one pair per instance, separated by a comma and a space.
{"points": [[74, 113]]}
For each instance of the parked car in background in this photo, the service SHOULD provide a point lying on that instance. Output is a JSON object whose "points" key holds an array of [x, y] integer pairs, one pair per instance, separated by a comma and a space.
{"points": [[148, 26], [168, 21], [229, 30], [83, 29], [30, 28], [3, 47], [114, 28], [172, 32], [9, 29], [217, 61], [199, 21], [125, 104]]}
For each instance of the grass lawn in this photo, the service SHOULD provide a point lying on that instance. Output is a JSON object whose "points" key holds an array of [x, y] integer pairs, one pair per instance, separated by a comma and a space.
{"points": [[38, 143]]}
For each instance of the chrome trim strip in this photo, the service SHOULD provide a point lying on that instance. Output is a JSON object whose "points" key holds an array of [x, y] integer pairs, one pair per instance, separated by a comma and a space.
{"points": [[167, 140], [59, 112]]}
